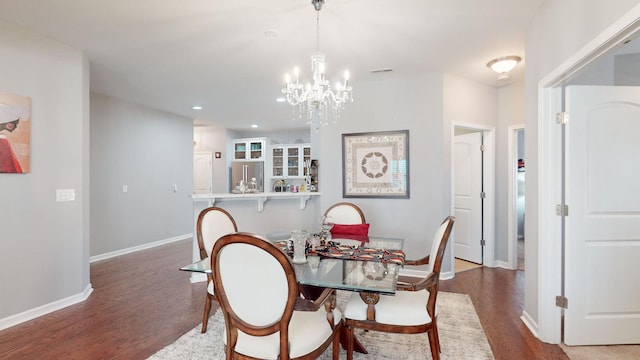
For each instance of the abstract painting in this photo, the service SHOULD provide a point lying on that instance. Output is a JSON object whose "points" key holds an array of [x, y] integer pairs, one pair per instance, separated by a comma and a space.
{"points": [[15, 133]]}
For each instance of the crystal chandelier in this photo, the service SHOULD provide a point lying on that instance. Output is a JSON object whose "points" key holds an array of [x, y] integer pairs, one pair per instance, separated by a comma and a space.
{"points": [[317, 102]]}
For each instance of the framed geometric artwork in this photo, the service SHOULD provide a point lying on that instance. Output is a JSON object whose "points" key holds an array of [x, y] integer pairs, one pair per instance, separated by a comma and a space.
{"points": [[15, 133], [375, 165]]}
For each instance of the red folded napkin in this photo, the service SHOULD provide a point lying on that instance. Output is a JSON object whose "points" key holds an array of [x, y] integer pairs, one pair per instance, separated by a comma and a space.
{"points": [[355, 229]]}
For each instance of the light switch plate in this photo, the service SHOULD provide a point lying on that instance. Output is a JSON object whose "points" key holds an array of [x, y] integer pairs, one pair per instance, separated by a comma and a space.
{"points": [[65, 194]]}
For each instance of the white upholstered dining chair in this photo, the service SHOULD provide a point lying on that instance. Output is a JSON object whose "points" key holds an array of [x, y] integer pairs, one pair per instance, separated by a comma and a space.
{"points": [[349, 215], [265, 316], [213, 223], [410, 311], [345, 213]]}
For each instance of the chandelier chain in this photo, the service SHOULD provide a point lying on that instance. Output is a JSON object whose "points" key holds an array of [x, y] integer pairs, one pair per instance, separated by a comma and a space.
{"points": [[318, 31]]}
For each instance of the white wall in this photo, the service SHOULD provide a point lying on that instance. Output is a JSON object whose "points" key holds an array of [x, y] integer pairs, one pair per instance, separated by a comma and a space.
{"points": [[559, 30], [510, 112], [395, 104], [44, 244], [148, 151]]}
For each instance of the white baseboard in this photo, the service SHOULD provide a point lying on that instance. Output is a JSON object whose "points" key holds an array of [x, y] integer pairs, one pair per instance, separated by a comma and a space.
{"points": [[412, 272], [530, 323], [447, 275], [138, 248], [45, 309], [421, 274], [503, 265]]}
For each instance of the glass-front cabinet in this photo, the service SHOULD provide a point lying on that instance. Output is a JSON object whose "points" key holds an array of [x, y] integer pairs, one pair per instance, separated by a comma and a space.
{"points": [[249, 149], [288, 161]]}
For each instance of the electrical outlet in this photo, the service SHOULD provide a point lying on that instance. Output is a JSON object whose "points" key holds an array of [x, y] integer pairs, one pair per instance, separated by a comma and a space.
{"points": [[65, 194], [125, 188], [175, 188]]}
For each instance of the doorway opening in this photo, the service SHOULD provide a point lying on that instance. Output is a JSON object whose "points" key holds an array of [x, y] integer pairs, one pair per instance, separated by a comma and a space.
{"points": [[473, 194], [516, 214]]}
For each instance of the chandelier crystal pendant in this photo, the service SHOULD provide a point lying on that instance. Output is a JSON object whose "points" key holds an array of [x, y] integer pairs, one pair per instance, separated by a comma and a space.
{"points": [[317, 102]]}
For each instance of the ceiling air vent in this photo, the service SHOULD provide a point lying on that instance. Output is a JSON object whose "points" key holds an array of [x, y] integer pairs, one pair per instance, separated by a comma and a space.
{"points": [[378, 71]]}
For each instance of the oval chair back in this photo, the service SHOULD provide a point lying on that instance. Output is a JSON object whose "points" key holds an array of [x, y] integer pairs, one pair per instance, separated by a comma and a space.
{"points": [[345, 213], [213, 223]]}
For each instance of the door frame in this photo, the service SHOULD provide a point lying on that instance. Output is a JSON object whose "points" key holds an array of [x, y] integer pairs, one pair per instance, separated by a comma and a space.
{"points": [[549, 227], [489, 166], [512, 196]]}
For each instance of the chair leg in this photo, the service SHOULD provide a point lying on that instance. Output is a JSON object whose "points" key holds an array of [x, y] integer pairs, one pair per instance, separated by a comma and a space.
{"points": [[435, 330], [433, 344], [207, 310], [349, 343], [336, 342]]}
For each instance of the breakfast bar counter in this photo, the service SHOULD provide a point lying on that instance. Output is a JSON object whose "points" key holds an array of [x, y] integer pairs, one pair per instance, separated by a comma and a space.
{"points": [[260, 198]]}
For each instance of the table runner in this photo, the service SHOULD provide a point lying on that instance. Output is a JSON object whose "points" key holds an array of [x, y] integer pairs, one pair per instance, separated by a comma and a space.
{"points": [[348, 252]]}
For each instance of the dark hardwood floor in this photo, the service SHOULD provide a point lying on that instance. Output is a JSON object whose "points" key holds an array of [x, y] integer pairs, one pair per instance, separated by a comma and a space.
{"points": [[141, 303], [498, 296]]}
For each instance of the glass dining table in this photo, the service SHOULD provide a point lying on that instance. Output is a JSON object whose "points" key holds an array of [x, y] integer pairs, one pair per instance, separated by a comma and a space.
{"points": [[370, 266]]}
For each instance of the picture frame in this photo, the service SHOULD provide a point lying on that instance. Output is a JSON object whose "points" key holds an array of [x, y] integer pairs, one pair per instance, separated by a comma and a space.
{"points": [[15, 133], [375, 165]]}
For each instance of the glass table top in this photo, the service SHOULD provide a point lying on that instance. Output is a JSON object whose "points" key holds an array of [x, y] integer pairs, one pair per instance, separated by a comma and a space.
{"points": [[342, 274]]}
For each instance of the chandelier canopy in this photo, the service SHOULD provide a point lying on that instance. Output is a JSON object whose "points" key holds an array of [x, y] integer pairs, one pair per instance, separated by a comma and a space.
{"points": [[317, 102]]}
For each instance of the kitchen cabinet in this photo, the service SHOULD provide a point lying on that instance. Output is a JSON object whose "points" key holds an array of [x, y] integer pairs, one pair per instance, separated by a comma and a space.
{"points": [[249, 149], [288, 161]]}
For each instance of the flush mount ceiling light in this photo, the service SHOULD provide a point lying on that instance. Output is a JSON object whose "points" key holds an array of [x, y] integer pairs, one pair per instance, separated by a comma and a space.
{"points": [[317, 100], [504, 64]]}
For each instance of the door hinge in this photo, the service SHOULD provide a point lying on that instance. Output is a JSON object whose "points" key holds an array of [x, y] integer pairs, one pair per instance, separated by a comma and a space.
{"points": [[562, 117], [483, 195], [483, 242], [562, 210], [562, 302], [483, 147]]}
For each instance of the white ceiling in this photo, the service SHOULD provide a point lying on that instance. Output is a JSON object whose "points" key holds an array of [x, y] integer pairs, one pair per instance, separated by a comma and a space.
{"points": [[171, 55]]}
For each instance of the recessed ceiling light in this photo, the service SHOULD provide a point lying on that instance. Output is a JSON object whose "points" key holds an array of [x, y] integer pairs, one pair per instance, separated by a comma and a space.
{"points": [[281, 99], [254, 126], [196, 107]]}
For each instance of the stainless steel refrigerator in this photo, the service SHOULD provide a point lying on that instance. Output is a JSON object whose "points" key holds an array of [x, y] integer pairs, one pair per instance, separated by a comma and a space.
{"points": [[245, 171]]}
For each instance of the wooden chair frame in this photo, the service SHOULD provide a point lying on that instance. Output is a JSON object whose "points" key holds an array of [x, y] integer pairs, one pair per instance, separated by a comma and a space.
{"points": [[205, 254], [354, 206], [234, 323], [430, 283]]}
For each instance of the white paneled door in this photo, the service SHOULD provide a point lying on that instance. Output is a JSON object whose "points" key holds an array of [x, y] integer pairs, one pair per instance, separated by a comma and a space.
{"points": [[602, 236], [467, 196], [202, 173]]}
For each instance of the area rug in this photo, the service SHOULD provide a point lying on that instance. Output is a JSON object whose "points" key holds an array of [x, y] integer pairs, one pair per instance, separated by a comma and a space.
{"points": [[602, 352], [461, 337]]}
